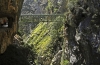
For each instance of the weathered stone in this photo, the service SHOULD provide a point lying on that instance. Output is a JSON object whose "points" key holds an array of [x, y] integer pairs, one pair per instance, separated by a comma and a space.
{"points": [[10, 9], [85, 36]]}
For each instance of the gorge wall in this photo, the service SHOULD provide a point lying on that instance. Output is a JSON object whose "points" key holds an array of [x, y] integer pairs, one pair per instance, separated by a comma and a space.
{"points": [[9, 9], [83, 28]]}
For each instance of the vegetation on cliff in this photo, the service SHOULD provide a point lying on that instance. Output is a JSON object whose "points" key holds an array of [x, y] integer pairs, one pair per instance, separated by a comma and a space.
{"points": [[81, 31], [45, 37], [76, 40]]}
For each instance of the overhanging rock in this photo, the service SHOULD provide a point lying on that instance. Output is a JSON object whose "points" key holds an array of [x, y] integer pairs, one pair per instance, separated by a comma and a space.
{"points": [[10, 10]]}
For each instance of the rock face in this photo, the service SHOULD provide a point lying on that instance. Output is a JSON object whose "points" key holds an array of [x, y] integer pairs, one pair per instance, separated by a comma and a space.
{"points": [[34, 7], [11, 10], [83, 28]]}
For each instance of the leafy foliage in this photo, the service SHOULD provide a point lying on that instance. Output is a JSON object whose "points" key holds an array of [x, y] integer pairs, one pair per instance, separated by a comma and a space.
{"points": [[45, 37]]}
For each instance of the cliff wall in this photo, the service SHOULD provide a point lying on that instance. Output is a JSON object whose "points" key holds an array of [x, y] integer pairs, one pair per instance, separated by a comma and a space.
{"points": [[9, 9]]}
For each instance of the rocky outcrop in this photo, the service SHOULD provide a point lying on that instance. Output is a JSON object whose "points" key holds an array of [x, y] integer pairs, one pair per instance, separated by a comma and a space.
{"points": [[57, 58], [11, 10], [83, 28]]}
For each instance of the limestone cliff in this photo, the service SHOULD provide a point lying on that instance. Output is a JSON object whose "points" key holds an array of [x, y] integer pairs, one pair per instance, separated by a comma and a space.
{"points": [[83, 28], [11, 10]]}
